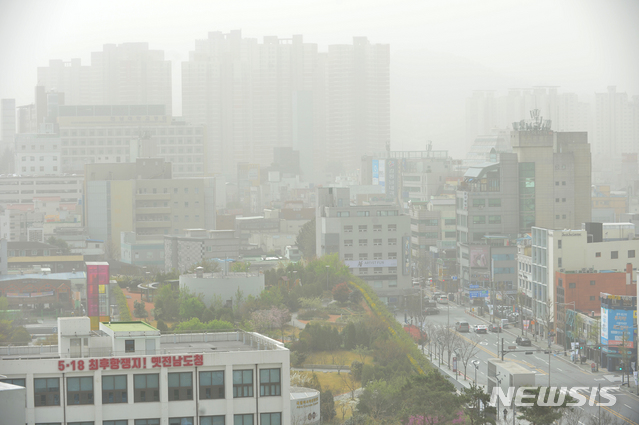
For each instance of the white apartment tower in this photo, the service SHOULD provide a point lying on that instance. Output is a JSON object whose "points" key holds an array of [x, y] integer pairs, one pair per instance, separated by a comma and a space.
{"points": [[124, 74], [616, 124]]}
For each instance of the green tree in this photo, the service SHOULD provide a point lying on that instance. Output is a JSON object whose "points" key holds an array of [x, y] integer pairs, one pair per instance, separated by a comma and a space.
{"points": [[195, 325], [20, 336], [306, 240], [190, 305], [4, 307], [240, 266], [430, 398], [341, 292], [327, 405], [543, 415], [381, 400], [477, 409], [167, 305], [63, 245], [139, 309]]}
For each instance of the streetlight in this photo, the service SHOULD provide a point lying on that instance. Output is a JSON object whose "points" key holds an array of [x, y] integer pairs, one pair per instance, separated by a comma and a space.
{"points": [[476, 364], [565, 332]]}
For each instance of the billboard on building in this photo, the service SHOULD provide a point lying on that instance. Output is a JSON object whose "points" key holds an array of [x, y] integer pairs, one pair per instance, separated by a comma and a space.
{"points": [[391, 178], [375, 169], [382, 174], [97, 293], [480, 256], [617, 326], [406, 255]]}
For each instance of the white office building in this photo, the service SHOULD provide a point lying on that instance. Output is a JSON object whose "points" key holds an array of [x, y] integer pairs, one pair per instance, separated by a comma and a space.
{"points": [[128, 374]]}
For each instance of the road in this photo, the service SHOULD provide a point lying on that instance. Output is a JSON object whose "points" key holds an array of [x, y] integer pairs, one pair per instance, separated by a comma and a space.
{"points": [[562, 372]]}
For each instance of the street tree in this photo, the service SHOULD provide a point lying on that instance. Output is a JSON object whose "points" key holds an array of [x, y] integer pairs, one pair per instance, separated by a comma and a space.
{"points": [[544, 415], [306, 240], [381, 400], [467, 348], [477, 406], [139, 309], [429, 399], [341, 292]]}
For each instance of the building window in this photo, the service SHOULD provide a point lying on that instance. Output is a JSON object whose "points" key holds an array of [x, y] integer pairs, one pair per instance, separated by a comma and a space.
{"points": [[592, 283], [362, 228], [270, 419], [212, 420], [631, 253], [479, 219], [392, 270], [211, 385], [392, 284], [392, 255], [560, 283], [180, 386], [121, 422], [147, 422], [592, 298], [556, 199], [377, 227], [348, 257], [270, 382], [348, 229], [559, 244], [363, 242], [392, 227], [80, 423], [363, 270], [129, 345], [363, 256], [80, 390], [377, 256], [377, 242], [494, 219], [47, 391], [563, 216], [242, 419], [572, 285], [348, 242], [242, 383], [114, 389], [597, 254], [614, 255], [378, 270], [343, 214], [559, 262], [479, 202], [449, 235], [146, 388], [363, 213], [21, 382], [392, 241], [181, 421]]}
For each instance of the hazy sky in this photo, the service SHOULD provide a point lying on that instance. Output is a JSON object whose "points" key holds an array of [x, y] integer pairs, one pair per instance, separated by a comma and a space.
{"points": [[440, 50]]}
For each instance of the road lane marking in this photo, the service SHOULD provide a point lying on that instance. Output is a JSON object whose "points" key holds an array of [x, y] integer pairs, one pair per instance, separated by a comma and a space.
{"points": [[559, 370]]}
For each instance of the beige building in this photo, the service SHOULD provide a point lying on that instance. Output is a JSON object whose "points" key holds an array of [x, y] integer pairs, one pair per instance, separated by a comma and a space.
{"points": [[554, 177], [142, 197]]}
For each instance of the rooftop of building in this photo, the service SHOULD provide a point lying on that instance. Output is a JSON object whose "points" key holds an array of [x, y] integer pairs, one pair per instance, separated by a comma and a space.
{"points": [[129, 326], [53, 276]]}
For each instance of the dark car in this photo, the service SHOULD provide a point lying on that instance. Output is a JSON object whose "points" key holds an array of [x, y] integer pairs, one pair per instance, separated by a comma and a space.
{"points": [[523, 341], [431, 310], [494, 328]]}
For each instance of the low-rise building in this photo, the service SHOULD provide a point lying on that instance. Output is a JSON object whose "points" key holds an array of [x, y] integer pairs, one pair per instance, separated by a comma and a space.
{"points": [[182, 252], [224, 286], [127, 373]]}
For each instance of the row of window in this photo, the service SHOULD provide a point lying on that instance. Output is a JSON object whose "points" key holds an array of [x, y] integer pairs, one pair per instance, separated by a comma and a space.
{"points": [[32, 158], [615, 254], [377, 270], [376, 228], [376, 242], [274, 418], [41, 169], [481, 202], [131, 132], [382, 213], [376, 256], [146, 387]]}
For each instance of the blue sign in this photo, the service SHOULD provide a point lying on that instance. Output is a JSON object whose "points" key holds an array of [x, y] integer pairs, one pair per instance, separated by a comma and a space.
{"points": [[473, 286], [478, 294], [617, 326]]}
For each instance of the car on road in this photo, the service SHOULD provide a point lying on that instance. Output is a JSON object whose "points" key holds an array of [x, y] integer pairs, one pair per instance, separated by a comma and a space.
{"points": [[431, 310], [494, 328], [462, 326], [442, 299], [523, 341], [481, 329]]}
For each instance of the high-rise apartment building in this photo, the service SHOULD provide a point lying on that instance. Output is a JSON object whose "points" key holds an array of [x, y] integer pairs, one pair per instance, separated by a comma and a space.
{"points": [[124, 74], [7, 123], [253, 97], [486, 111], [616, 124]]}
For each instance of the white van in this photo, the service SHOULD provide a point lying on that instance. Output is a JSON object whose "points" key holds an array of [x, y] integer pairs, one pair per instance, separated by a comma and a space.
{"points": [[462, 326]]}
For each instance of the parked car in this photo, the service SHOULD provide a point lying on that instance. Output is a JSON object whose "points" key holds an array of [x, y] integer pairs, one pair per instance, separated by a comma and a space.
{"points": [[494, 328], [481, 329], [431, 310], [523, 341], [443, 299]]}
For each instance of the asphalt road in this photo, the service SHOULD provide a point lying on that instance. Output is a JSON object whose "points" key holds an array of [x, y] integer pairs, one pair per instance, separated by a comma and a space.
{"points": [[562, 372]]}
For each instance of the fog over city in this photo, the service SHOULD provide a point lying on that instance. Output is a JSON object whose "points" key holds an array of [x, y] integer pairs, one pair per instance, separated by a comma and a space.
{"points": [[440, 51]]}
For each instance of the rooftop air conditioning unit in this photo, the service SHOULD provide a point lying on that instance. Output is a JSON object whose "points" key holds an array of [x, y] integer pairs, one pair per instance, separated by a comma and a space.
{"points": [[561, 270]]}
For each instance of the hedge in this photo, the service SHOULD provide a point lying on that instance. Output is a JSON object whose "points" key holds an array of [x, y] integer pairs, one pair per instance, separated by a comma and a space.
{"points": [[123, 306]]}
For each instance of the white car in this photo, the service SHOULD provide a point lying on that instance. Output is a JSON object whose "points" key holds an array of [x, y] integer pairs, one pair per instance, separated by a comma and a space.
{"points": [[442, 299], [481, 329]]}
